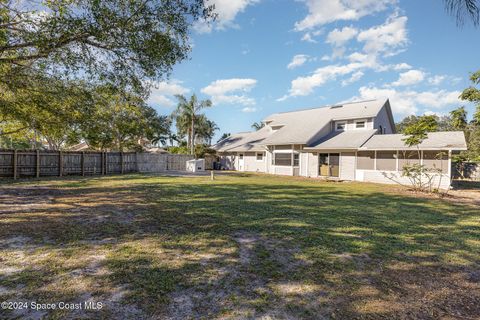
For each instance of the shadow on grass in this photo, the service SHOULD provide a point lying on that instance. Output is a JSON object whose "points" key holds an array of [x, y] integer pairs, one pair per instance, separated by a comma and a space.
{"points": [[173, 242]]}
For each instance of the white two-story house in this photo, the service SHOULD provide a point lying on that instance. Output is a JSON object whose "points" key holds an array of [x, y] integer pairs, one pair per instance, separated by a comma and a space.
{"points": [[350, 141]]}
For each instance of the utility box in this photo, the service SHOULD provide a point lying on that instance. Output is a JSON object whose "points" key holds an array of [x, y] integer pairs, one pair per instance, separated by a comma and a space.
{"points": [[196, 165]]}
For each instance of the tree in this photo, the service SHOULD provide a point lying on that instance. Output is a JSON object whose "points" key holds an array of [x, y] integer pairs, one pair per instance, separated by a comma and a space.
{"points": [[459, 118], [419, 175], [224, 136], [122, 120], [257, 126], [472, 94], [462, 9], [206, 129], [472, 131], [186, 116], [417, 131], [122, 42]]}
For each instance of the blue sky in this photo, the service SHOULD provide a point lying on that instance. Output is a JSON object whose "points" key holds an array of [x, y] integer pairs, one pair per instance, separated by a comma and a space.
{"points": [[266, 56]]}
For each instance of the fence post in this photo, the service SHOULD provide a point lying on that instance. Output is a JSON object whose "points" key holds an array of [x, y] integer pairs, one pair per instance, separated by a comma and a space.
{"points": [[38, 164], [60, 163], [136, 162], [14, 164], [83, 163], [106, 163], [102, 166], [122, 165]]}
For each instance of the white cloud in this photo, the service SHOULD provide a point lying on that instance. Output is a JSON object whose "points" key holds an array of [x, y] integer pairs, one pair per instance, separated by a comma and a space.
{"points": [[408, 78], [321, 12], [338, 37], [161, 92], [226, 91], [226, 11], [355, 77], [386, 37], [249, 109], [409, 101], [436, 80], [308, 37], [297, 61], [401, 66], [303, 86]]}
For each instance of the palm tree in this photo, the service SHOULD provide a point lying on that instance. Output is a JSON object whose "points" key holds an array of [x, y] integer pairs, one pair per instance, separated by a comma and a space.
{"points": [[461, 9], [224, 136], [186, 115], [257, 126], [206, 129]]}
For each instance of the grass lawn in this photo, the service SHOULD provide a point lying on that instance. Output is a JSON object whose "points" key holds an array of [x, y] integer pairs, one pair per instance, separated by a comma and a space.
{"points": [[242, 246]]}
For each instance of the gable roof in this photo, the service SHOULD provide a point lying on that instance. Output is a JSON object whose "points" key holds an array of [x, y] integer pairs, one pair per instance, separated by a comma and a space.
{"points": [[303, 126], [245, 141], [446, 140], [299, 127]]}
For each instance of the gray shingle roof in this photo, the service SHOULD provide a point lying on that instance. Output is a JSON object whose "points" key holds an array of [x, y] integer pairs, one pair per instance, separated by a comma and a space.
{"points": [[343, 140], [245, 141], [299, 127], [451, 140]]}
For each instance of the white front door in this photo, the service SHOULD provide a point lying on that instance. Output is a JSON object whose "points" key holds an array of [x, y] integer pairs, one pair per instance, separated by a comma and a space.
{"points": [[241, 162]]}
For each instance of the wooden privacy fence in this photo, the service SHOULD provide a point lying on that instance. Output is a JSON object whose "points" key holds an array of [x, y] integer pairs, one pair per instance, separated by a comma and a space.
{"points": [[42, 163]]}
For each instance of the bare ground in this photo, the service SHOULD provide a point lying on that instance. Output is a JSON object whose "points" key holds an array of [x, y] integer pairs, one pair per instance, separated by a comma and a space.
{"points": [[101, 244]]}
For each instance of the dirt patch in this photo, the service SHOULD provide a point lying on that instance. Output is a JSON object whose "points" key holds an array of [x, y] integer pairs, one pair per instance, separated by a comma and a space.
{"points": [[246, 287]]}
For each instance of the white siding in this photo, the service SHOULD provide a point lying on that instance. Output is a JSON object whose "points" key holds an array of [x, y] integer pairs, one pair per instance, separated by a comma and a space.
{"points": [[303, 164], [347, 165], [394, 177], [312, 164], [251, 164], [283, 170], [228, 161]]}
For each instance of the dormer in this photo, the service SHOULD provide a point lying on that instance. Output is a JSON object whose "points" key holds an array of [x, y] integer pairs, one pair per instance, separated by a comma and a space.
{"points": [[353, 124]]}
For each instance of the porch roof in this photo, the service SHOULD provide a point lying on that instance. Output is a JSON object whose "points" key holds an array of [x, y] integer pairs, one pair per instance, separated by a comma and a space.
{"points": [[353, 139], [445, 140]]}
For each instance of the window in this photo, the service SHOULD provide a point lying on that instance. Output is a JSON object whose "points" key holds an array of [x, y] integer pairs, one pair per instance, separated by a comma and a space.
{"points": [[259, 156], [340, 126], [240, 156], [366, 160], [360, 124], [282, 159], [380, 130], [296, 159], [387, 160]]}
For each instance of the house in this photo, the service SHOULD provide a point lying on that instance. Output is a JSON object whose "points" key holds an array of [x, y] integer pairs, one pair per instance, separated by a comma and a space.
{"points": [[350, 141]]}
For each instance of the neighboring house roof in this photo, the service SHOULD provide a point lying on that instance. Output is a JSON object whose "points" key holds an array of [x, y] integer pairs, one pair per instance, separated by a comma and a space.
{"points": [[450, 140], [79, 147], [353, 139], [156, 150], [299, 127]]}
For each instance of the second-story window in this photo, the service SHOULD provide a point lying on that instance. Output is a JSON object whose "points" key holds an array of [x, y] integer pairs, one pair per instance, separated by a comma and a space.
{"points": [[340, 126], [360, 124]]}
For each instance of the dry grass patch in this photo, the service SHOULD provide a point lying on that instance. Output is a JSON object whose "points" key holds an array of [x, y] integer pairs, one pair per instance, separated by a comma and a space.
{"points": [[242, 246]]}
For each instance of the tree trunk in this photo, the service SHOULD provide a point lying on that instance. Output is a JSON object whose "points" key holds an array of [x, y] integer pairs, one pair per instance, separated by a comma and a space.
{"points": [[192, 150]]}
